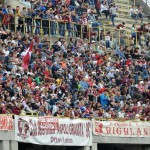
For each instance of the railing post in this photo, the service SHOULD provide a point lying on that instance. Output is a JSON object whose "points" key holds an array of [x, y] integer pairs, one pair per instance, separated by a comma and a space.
{"points": [[57, 29], [89, 28], [65, 35], [49, 29], [81, 34], [119, 37], [15, 23], [9, 25], [32, 27], [41, 31], [24, 25], [99, 34], [112, 36], [73, 31], [136, 38]]}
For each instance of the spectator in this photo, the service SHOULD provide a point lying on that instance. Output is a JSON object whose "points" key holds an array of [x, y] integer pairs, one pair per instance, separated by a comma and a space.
{"points": [[133, 13], [113, 11], [75, 78]]}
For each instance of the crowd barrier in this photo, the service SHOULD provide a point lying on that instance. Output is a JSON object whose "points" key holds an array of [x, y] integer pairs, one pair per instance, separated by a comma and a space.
{"points": [[69, 30]]}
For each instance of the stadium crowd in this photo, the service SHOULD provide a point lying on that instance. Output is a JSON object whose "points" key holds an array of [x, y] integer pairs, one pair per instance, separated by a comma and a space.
{"points": [[72, 78]]}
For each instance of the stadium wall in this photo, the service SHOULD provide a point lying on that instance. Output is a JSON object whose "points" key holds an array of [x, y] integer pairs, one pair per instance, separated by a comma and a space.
{"points": [[7, 142]]}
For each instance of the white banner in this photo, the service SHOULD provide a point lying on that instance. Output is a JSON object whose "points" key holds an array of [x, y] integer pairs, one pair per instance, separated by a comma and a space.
{"points": [[121, 129], [53, 131]]}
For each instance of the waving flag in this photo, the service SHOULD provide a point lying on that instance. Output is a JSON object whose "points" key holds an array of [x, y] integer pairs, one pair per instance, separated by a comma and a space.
{"points": [[26, 58]]}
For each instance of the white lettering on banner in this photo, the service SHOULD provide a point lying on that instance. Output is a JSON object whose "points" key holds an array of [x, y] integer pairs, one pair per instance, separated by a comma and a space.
{"points": [[53, 131], [121, 129]]}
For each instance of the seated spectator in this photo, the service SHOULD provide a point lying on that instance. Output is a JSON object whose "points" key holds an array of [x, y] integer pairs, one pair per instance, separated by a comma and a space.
{"points": [[105, 10], [133, 13]]}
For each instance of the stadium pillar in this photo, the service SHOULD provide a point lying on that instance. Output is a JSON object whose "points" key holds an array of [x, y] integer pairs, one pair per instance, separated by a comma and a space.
{"points": [[94, 146], [86, 148], [13, 145], [4, 145], [146, 148]]}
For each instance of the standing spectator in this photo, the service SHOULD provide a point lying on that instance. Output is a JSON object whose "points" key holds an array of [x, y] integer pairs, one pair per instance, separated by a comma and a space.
{"points": [[11, 17], [113, 11], [107, 40], [29, 20], [21, 20], [98, 7]]}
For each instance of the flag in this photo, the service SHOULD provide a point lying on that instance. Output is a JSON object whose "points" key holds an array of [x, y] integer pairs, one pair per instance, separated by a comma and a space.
{"points": [[26, 58]]}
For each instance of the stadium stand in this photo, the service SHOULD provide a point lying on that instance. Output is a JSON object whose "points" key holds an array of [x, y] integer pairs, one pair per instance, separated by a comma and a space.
{"points": [[75, 59]]}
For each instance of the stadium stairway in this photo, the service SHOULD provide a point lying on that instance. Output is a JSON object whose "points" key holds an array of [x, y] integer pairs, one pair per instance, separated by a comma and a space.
{"points": [[123, 15], [14, 3]]}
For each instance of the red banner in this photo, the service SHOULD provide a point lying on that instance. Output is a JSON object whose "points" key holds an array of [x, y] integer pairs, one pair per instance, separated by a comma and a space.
{"points": [[6, 123]]}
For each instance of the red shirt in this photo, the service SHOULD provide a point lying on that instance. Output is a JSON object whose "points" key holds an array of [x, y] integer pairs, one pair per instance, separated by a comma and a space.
{"points": [[47, 73], [16, 111], [120, 26], [30, 81]]}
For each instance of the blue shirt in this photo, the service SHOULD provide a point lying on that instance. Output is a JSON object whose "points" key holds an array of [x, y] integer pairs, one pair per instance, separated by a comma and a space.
{"points": [[4, 11], [83, 84]]}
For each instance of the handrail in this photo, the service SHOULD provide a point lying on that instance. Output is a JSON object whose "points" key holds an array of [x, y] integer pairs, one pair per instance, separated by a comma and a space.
{"points": [[35, 114], [81, 32]]}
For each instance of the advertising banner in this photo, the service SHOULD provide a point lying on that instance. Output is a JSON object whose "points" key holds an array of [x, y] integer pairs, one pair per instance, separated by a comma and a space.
{"points": [[121, 129], [53, 131], [6, 123]]}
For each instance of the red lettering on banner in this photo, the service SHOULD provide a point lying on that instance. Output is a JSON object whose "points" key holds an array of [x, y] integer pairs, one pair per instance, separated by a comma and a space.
{"points": [[139, 131], [146, 131], [108, 130], [131, 131], [71, 129], [118, 131], [88, 126], [126, 131], [33, 128], [6, 123], [47, 125], [113, 130]]}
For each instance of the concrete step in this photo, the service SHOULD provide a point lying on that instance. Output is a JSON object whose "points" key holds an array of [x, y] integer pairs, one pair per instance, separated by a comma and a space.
{"points": [[122, 2], [123, 11], [130, 20], [112, 29], [119, 5], [14, 3]]}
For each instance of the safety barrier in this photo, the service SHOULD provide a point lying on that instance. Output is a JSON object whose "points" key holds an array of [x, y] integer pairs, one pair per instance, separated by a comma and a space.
{"points": [[67, 30]]}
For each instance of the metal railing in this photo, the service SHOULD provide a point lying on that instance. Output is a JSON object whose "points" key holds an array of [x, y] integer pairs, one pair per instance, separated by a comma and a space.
{"points": [[67, 30]]}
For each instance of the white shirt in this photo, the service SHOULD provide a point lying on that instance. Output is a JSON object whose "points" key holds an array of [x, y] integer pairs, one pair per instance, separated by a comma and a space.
{"points": [[107, 115], [121, 115], [6, 52], [107, 37], [55, 109], [70, 76], [110, 75], [132, 11], [113, 10], [103, 8]]}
